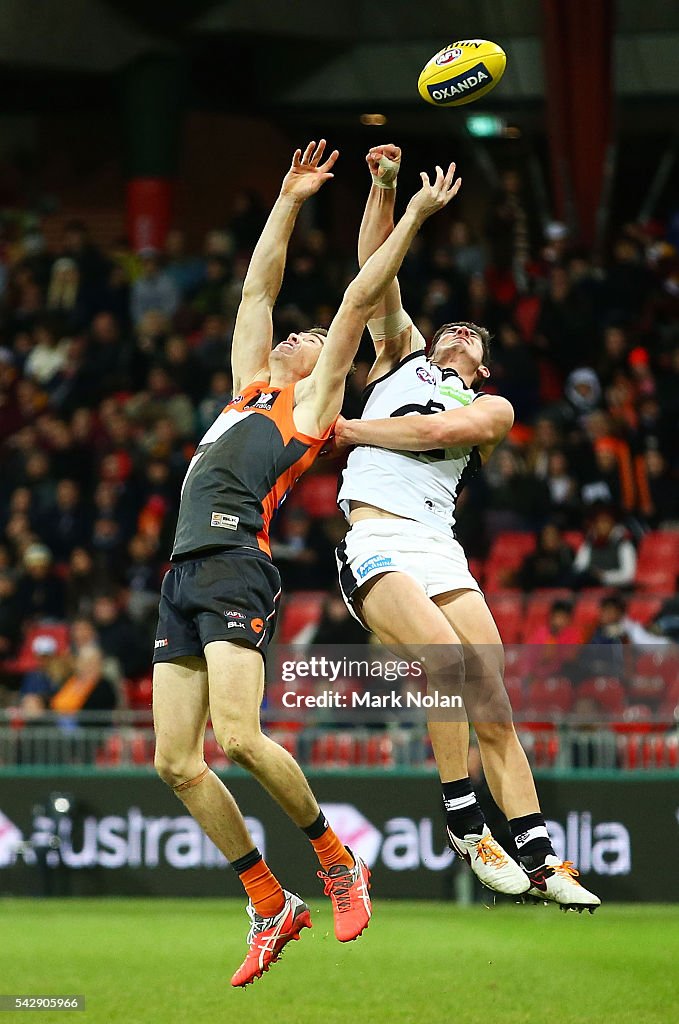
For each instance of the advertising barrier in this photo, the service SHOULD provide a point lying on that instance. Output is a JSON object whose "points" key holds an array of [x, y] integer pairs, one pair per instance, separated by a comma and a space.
{"points": [[126, 834]]}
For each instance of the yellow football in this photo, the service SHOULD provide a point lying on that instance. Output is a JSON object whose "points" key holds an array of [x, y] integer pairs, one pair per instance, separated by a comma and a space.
{"points": [[462, 72]]}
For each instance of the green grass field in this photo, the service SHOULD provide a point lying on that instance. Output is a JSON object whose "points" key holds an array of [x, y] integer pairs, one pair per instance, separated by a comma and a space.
{"points": [[169, 962]]}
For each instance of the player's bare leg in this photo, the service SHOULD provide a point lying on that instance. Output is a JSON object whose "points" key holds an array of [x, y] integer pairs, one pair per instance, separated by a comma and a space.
{"points": [[504, 760], [180, 709], [399, 612], [236, 687]]}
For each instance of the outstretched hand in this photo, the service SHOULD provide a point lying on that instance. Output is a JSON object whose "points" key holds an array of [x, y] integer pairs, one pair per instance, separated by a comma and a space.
{"points": [[434, 196], [307, 173]]}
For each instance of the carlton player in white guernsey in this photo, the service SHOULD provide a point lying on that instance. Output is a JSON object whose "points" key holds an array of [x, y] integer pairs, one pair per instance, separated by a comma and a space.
{"points": [[426, 426]]}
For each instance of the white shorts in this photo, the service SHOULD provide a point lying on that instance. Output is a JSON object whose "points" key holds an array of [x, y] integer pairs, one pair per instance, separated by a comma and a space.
{"points": [[375, 546]]}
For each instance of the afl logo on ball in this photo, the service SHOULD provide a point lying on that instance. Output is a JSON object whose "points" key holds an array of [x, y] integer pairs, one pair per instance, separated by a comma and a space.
{"points": [[449, 56], [425, 375]]}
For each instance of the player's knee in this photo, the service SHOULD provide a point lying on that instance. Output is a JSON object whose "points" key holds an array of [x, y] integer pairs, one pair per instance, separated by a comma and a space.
{"points": [[174, 768], [240, 748]]}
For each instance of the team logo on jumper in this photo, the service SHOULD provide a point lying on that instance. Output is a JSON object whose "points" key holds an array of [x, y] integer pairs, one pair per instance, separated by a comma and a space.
{"points": [[471, 81], [161, 643], [425, 375], [374, 562], [224, 521], [232, 614], [263, 401], [449, 56], [257, 625]]}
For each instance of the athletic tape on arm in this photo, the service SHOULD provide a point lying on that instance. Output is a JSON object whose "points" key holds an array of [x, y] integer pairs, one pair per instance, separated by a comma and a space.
{"points": [[389, 173], [382, 327]]}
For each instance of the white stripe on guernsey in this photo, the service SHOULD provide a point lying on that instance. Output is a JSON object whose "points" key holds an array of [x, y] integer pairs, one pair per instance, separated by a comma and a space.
{"points": [[456, 803], [539, 832]]}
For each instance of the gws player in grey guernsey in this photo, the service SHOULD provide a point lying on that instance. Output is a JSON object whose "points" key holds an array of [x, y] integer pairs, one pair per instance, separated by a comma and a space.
{"points": [[425, 427], [218, 600]]}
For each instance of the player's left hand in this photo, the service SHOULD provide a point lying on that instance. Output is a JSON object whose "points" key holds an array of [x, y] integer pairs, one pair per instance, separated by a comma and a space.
{"points": [[307, 173]]}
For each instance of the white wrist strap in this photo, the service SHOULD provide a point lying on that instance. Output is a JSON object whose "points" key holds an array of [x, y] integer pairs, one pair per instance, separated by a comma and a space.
{"points": [[390, 169], [383, 327]]}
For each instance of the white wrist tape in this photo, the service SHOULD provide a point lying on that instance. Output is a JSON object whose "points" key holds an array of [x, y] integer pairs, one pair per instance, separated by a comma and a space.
{"points": [[382, 327], [389, 174]]}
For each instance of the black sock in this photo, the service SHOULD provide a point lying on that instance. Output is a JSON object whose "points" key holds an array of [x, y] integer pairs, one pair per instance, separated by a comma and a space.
{"points": [[531, 837], [316, 829], [463, 813], [249, 860]]}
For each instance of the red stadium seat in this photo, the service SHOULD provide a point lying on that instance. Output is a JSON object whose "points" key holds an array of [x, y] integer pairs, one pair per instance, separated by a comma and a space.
{"points": [[26, 660], [644, 607], [552, 696], [317, 494], [606, 691], [507, 610], [586, 613], [660, 546], [299, 610], [538, 605], [510, 548]]}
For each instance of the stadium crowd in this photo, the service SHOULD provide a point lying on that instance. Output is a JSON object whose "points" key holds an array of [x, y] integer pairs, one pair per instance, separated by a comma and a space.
{"points": [[113, 364]]}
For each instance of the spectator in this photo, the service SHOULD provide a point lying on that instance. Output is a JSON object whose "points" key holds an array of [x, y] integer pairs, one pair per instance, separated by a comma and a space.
{"points": [[46, 677], [154, 290], [335, 626], [607, 556], [120, 637], [549, 565], [616, 627], [87, 689], [559, 627], [40, 593]]}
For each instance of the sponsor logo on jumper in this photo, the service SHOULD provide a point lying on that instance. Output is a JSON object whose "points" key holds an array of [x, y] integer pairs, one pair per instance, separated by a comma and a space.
{"points": [[161, 643], [448, 56], [450, 392], [425, 375], [236, 400], [465, 84], [224, 521], [263, 400], [257, 625], [374, 562], [235, 625], [232, 614]]}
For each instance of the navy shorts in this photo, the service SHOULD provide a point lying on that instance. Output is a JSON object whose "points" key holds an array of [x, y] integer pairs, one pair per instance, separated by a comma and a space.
{"points": [[226, 595]]}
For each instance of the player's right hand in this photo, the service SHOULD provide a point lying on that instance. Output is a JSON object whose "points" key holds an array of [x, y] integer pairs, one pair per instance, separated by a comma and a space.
{"points": [[434, 195], [307, 173], [374, 155]]}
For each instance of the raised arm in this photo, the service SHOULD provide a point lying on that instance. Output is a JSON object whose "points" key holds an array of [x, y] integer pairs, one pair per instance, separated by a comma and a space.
{"points": [[484, 423], [253, 332], [319, 396]]}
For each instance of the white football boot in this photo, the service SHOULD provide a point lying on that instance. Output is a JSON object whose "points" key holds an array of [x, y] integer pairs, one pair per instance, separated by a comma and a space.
{"points": [[557, 880], [489, 862]]}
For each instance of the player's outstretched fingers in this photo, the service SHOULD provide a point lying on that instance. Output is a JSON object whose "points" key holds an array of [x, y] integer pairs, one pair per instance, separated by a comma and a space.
{"points": [[329, 163], [318, 153], [308, 151]]}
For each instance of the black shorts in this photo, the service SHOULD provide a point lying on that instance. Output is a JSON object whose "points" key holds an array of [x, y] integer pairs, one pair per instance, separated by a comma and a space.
{"points": [[227, 595]]}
